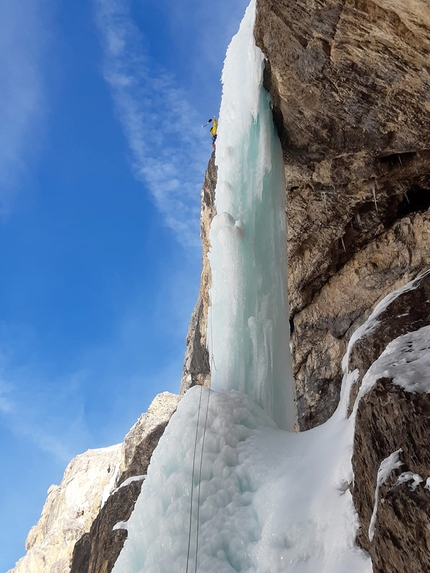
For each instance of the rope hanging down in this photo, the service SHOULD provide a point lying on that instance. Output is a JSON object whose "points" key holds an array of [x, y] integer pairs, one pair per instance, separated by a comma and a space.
{"points": [[212, 364], [199, 481], [192, 481], [200, 478]]}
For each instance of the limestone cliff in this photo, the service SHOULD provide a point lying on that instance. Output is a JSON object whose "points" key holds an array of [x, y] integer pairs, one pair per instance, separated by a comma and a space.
{"points": [[69, 511], [97, 550], [99, 489], [197, 361]]}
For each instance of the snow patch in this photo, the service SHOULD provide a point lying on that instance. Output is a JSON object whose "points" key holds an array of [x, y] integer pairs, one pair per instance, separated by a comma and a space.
{"points": [[131, 480], [109, 487], [406, 361], [410, 476], [387, 465], [372, 322]]}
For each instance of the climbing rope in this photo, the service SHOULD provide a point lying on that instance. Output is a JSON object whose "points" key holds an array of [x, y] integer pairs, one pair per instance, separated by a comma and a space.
{"points": [[192, 481], [206, 416], [200, 478]]}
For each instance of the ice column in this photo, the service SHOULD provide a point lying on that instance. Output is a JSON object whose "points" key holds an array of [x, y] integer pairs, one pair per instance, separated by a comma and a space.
{"points": [[248, 332]]}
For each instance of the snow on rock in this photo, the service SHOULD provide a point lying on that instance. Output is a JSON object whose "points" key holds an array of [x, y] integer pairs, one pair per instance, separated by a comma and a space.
{"points": [[131, 480], [402, 312], [120, 525], [406, 361], [389, 464], [410, 476], [68, 512], [389, 360]]}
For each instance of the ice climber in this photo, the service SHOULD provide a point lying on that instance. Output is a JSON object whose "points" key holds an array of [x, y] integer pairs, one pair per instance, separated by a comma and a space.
{"points": [[213, 130]]}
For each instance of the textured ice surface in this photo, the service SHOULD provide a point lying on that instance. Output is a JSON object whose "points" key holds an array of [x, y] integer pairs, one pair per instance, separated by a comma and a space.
{"points": [[248, 324], [261, 499], [227, 490]]}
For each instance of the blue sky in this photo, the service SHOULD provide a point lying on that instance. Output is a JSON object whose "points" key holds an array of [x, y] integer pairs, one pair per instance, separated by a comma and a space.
{"points": [[102, 156]]}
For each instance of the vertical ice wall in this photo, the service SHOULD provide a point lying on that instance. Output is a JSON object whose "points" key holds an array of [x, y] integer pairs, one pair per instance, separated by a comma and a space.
{"points": [[227, 491], [248, 332]]}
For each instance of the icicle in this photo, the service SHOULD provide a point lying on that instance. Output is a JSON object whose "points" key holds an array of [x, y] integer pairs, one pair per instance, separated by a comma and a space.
{"points": [[374, 196], [359, 220], [343, 244]]}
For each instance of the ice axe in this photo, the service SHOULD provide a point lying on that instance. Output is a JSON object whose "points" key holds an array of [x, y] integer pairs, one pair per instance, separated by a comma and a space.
{"points": [[209, 121]]}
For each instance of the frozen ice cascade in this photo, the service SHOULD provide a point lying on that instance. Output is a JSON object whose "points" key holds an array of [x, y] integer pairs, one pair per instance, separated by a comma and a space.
{"points": [[248, 318], [229, 488]]}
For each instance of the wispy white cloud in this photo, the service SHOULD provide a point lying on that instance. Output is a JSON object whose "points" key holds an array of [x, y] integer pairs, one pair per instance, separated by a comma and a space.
{"points": [[47, 412], [22, 42], [169, 149]]}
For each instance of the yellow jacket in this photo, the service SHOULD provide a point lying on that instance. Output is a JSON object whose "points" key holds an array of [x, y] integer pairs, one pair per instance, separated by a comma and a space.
{"points": [[214, 126]]}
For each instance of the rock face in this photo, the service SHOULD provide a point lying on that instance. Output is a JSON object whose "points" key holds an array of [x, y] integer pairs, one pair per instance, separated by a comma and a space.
{"points": [[197, 361], [99, 489], [391, 419], [69, 511], [97, 550], [350, 87]]}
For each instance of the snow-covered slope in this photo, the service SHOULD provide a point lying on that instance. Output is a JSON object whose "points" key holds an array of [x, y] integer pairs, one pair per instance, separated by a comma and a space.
{"points": [[228, 491]]}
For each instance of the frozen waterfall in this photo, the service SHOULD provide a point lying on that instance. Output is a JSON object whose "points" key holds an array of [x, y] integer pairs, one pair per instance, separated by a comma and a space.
{"points": [[248, 330], [228, 489]]}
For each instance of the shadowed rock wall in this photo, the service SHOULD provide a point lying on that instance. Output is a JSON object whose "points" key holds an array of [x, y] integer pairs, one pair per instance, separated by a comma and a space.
{"points": [[349, 80], [390, 419], [197, 360]]}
